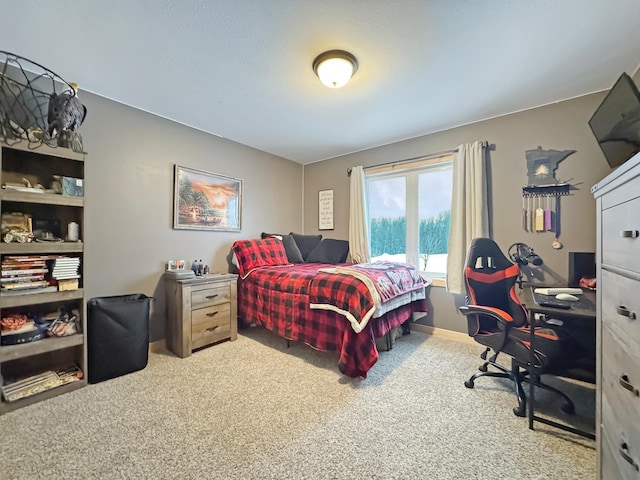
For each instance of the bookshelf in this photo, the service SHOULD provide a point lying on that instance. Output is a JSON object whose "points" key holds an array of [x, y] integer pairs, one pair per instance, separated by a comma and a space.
{"points": [[38, 166]]}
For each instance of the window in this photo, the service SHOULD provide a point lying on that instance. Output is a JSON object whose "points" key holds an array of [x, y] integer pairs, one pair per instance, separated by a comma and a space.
{"points": [[409, 211]]}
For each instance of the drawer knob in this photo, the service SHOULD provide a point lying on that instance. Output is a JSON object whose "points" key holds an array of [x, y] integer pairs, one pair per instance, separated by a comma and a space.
{"points": [[629, 233], [210, 297], [212, 314], [625, 312], [624, 383], [624, 451], [211, 329]]}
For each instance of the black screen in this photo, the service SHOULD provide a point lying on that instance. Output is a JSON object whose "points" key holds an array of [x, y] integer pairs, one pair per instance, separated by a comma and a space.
{"points": [[616, 122]]}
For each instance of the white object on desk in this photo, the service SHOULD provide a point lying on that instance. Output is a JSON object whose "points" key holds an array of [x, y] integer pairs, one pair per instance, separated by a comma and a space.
{"points": [[556, 291], [567, 297]]}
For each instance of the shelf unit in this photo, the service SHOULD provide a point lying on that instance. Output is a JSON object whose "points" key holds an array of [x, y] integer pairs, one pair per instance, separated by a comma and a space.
{"points": [[20, 160]]}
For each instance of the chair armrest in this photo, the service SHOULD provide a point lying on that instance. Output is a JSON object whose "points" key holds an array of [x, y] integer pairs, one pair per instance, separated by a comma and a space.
{"points": [[501, 316], [502, 319]]}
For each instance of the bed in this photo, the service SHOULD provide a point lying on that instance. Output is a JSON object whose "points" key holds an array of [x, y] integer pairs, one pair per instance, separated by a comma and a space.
{"points": [[321, 300]]}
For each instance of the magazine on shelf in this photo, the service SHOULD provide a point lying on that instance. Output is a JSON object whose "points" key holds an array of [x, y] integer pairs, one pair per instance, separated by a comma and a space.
{"points": [[41, 382], [28, 291], [25, 285]]}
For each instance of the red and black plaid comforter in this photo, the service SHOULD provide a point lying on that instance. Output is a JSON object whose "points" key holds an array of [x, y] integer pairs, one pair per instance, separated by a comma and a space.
{"points": [[278, 299]]}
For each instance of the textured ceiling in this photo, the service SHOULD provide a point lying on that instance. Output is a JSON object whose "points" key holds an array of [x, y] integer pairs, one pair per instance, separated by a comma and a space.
{"points": [[241, 69]]}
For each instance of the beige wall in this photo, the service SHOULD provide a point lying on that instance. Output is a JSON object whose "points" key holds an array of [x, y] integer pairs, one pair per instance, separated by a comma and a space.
{"points": [[129, 199], [561, 126], [129, 193]]}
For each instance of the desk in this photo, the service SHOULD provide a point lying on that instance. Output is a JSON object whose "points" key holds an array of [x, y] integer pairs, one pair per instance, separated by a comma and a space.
{"points": [[580, 320]]}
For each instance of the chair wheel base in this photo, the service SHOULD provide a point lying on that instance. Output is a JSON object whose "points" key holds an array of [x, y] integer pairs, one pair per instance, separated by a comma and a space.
{"points": [[468, 384], [519, 411], [483, 368]]}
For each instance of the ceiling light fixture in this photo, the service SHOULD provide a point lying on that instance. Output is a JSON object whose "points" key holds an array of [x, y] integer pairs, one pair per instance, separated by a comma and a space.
{"points": [[335, 67]]}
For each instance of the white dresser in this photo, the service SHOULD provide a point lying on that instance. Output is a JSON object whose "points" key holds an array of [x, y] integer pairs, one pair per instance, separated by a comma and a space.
{"points": [[618, 323]]}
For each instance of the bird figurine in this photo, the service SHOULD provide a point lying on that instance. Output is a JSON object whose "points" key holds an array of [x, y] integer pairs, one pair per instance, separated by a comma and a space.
{"points": [[66, 111]]}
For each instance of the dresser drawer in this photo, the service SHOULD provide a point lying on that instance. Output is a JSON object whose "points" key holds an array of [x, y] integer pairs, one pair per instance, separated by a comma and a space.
{"points": [[617, 221], [612, 464], [620, 372], [621, 434], [210, 295], [210, 325], [620, 304]]}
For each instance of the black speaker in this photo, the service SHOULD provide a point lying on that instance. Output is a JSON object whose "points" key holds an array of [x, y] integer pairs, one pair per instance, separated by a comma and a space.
{"points": [[581, 264]]}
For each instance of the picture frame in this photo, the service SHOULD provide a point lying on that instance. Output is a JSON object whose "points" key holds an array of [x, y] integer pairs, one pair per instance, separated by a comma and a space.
{"points": [[173, 265], [206, 201], [325, 210]]}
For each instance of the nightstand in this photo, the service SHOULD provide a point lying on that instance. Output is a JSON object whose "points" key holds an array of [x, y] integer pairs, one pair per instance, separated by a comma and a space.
{"points": [[201, 311]]}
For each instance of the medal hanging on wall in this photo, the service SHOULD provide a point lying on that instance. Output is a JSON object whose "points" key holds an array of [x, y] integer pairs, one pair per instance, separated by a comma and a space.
{"points": [[539, 220], [548, 226]]}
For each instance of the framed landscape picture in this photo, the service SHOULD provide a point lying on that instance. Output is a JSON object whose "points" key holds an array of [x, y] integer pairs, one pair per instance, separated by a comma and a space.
{"points": [[206, 201]]}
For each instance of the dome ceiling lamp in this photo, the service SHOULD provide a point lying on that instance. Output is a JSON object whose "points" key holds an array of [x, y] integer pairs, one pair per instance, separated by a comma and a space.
{"points": [[335, 67]]}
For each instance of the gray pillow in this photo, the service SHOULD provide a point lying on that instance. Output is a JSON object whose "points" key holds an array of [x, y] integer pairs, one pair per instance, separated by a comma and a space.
{"points": [[291, 247], [329, 250], [306, 243]]}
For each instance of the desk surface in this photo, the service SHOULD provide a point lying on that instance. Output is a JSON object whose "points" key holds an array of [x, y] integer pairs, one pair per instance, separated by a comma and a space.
{"points": [[584, 308]]}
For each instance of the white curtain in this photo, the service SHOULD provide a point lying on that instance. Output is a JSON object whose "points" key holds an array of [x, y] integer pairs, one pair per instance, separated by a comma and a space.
{"points": [[358, 231], [469, 209]]}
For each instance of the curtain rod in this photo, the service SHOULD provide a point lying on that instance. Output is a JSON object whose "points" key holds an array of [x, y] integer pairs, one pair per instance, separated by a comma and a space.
{"points": [[485, 144]]}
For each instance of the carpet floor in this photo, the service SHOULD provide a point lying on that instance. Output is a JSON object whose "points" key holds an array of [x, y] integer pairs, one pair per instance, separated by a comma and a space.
{"points": [[255, 409]]}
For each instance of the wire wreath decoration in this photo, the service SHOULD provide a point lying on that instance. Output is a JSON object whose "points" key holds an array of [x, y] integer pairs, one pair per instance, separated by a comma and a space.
{"points": [[38, 105]]}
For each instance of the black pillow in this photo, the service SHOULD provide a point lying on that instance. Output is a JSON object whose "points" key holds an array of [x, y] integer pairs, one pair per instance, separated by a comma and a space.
{"points": [[329, 250], [306, 243], [290, 246]]}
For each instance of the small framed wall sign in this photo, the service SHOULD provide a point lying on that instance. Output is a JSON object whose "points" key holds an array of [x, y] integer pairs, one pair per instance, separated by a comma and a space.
{"points": [[325, 212]]}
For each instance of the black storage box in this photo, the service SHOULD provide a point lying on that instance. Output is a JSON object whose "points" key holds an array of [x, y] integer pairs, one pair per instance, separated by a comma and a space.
{"points": [[117, 335]]}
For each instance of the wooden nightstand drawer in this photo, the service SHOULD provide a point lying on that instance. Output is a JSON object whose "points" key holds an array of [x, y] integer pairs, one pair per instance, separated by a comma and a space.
{"points": [[210, 325], [210, 296]]}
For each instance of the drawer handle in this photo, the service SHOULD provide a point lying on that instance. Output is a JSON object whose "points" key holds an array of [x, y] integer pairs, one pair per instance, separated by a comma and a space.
{"points": [[212, 314], [629, 233], [622, 310], [624, 383], [211, 329], [209, 297], [624, 449]]}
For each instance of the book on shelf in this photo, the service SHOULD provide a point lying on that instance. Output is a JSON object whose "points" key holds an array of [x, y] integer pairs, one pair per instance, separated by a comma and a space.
{"points": [[30, 264], [41, 382], [24, 271], [28, 291], [71, 268], [22, 278], [25, 285], [69, 276], [68, 284]]}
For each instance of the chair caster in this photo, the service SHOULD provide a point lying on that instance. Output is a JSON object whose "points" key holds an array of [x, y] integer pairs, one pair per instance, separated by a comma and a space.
{"points": [[468, 383], [568, 408], [483, 367], [519, 411]]}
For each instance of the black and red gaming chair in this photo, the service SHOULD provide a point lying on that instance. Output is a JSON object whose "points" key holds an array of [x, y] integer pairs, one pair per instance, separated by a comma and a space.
{"points": [[497, 320]]}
